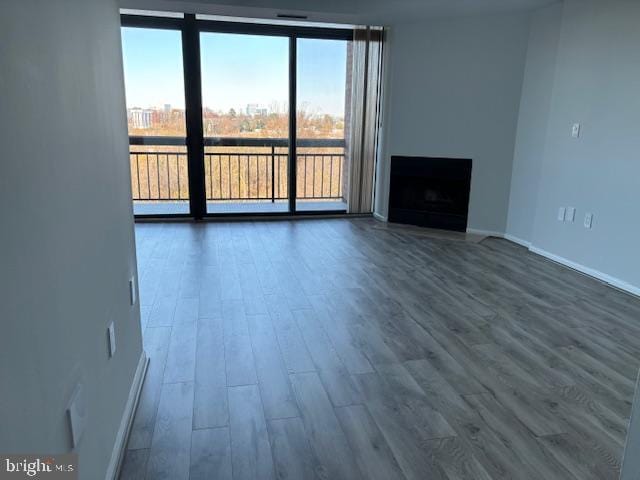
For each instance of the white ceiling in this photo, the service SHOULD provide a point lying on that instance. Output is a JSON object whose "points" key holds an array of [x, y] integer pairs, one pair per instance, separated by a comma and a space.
{"points": [[382, 12], [403, 10]]}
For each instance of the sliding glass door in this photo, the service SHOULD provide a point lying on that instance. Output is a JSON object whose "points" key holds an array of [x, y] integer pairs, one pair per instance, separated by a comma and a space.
{"points": [[235, 118], [245, 108], [322, 106], [154, 80]]}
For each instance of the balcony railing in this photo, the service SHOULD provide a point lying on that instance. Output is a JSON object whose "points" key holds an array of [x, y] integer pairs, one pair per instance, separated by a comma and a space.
{"points": [[238, 169]]}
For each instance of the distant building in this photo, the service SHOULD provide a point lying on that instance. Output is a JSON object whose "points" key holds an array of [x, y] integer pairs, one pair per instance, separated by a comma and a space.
{"points": [[140, 118], [167, 107], [254, 109]]}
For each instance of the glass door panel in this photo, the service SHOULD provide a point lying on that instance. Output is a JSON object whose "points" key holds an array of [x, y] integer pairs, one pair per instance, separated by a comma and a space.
{"points": [[245, 92], [156, 119], [322, 104]]}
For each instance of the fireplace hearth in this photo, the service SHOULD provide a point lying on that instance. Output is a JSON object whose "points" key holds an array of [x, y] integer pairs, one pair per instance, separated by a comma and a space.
{"points": [[430, 192]]}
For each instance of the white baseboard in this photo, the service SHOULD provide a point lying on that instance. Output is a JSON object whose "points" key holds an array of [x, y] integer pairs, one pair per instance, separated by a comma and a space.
{"points": [[379, 217], [519, 241], [613, 281], [117, 453], [488, 233]]}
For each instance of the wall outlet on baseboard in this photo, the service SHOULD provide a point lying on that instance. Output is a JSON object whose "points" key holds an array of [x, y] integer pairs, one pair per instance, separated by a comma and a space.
{"points": [[575, 130], [111, 339], [561, 214], [588, 220]]}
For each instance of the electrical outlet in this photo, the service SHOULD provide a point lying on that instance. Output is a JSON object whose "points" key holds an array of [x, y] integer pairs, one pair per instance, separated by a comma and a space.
{"points": [[571, 214], [561, 214], [77, 414], [575, 130], [111, 336], [588, 220], [132, 290]]}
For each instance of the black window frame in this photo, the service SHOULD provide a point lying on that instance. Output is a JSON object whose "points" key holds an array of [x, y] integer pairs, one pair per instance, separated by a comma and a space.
{"points": [[190, 27]]}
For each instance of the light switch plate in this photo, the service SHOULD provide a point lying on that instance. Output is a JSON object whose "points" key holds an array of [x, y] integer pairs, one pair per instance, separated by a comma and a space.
{"points": [[575, 130], [77, 414], [561, 214], [111, 335], [571, 214], [588, 220], [132, 290]]}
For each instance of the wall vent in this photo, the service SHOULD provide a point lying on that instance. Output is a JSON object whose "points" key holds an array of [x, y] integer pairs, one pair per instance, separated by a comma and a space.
{"points": [[292, 17]]}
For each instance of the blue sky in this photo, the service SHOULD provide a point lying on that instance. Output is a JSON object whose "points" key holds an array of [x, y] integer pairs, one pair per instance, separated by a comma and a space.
{"points": [[236, 70]]}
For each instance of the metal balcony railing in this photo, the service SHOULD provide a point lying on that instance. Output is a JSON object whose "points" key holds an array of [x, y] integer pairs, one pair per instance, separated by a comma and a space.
{"points": [[237, 169]]}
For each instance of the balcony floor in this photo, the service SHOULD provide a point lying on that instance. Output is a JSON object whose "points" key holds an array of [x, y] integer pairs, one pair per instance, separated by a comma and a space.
{"points": [[182, 207]]}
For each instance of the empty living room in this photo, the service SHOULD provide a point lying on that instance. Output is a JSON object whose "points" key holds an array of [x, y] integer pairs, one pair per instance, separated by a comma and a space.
{"points": [[320, 240]]}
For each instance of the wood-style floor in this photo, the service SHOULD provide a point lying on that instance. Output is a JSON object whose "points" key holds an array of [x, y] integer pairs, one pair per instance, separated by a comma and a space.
{"points": [[331, 349]]}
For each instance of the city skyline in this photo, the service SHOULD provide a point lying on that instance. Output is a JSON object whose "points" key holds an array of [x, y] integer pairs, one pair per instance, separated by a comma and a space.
{"points": [[249, 109], [231, 64]]}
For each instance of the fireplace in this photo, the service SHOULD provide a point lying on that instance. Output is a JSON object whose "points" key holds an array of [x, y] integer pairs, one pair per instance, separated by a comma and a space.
{"points": [[430, 192]]}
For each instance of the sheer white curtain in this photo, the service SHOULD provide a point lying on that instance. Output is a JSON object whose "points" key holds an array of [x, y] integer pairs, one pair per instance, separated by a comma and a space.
{"points": [[365, 112]]}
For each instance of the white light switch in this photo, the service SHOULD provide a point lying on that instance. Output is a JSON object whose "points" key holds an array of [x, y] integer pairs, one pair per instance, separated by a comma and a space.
{"points": [[575, 130], [561, 214], [571, 214], [111, 334], [588, 220], [77, 415], [132, 290]]}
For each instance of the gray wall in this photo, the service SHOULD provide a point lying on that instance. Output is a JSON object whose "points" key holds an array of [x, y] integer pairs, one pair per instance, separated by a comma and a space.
{"points": [[595, 84], [66, 240], [453, 90], [532, 120]]}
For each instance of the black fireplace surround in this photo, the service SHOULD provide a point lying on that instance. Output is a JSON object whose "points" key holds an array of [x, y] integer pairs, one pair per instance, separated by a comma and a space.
{"points": [[430, 192]]}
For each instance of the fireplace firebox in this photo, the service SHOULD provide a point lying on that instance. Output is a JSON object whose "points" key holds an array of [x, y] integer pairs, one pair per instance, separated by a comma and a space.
{"points": [[430, 192]]}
